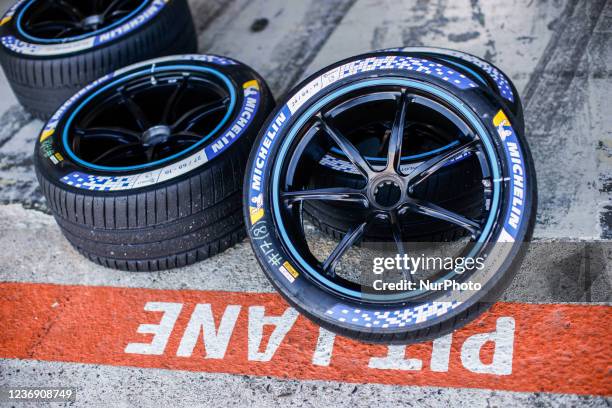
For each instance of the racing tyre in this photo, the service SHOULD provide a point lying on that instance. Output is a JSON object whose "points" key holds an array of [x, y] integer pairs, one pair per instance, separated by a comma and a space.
{"points": [[51, 49], [455, 186], [143, 167], [485, 73], [339, 284]]}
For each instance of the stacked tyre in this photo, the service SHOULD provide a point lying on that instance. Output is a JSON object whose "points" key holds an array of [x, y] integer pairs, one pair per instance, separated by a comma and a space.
{"points": [[143, 168], [51, 49]]}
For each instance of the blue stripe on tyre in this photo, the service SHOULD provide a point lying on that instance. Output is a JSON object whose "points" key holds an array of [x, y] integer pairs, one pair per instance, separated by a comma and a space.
{"points": [[228, 114], [75, 38], [286, 142]]}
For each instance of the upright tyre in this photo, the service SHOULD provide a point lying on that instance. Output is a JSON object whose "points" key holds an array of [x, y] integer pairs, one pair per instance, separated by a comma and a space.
{"points": [[340, 286], [455, 186], [51, 49], [143, 167]]}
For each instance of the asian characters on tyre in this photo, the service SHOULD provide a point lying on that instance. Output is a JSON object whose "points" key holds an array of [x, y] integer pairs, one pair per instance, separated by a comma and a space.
{"points": [[143, 167], [445, 122], [50, 49]]}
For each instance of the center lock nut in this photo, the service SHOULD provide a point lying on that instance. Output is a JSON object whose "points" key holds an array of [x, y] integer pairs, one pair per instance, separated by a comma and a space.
{"points": [[387, 193]]}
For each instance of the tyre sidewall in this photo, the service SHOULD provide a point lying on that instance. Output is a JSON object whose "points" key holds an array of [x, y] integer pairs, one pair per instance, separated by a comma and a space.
{"points": [[484, 69], [54, 164], [311, 298], [15, 43]]}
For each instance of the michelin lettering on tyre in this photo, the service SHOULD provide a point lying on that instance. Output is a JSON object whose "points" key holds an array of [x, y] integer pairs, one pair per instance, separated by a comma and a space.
{"points": [[256, 200], [52, 123], [78, 179], [170, 210], [36, 49], [422, 65], [518, 179], [214, 149], [372, 316]]}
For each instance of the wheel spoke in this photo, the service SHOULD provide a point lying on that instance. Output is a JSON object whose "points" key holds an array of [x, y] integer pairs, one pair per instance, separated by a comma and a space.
{"points": [[175, 142], [144, 130], [118, 133], [394, 154], [426, 169], [396, 229], [70, 10], [348, 148], [114, 6], [182, 137], [435, 211], [137, 113], [351, 236], [99, 7], [326, 194], [116, 14], [37, 12], [154, 152], [52, 25], [174, 99], [191, 118], [64, 32], [116, 152]]}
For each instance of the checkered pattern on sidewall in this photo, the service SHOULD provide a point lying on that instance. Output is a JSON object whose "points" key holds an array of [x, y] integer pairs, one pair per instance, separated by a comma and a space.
{"points": [[392, 319], [410, 64], [90, 182], [500, 79]]}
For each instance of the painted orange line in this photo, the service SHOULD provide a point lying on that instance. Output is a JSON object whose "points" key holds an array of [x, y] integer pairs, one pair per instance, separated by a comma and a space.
{"points": [[558, 348]]}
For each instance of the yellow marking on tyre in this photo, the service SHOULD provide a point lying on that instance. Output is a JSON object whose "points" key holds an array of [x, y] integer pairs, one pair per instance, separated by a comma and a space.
{"points": [[289, 271], [256, 214], [251, 84], [501, 122], [46, 134]]}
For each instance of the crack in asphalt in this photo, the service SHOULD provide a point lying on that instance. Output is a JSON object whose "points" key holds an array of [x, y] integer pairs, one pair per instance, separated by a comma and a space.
{"points": [[562, 64]]}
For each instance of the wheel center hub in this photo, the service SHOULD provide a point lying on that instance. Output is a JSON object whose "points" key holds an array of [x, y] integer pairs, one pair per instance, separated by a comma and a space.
{"points": [[92, 21], [156, 135], [387, 193]]}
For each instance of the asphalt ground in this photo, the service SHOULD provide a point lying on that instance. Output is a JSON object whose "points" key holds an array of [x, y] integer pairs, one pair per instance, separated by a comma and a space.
{"points": [[67, 322]]}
